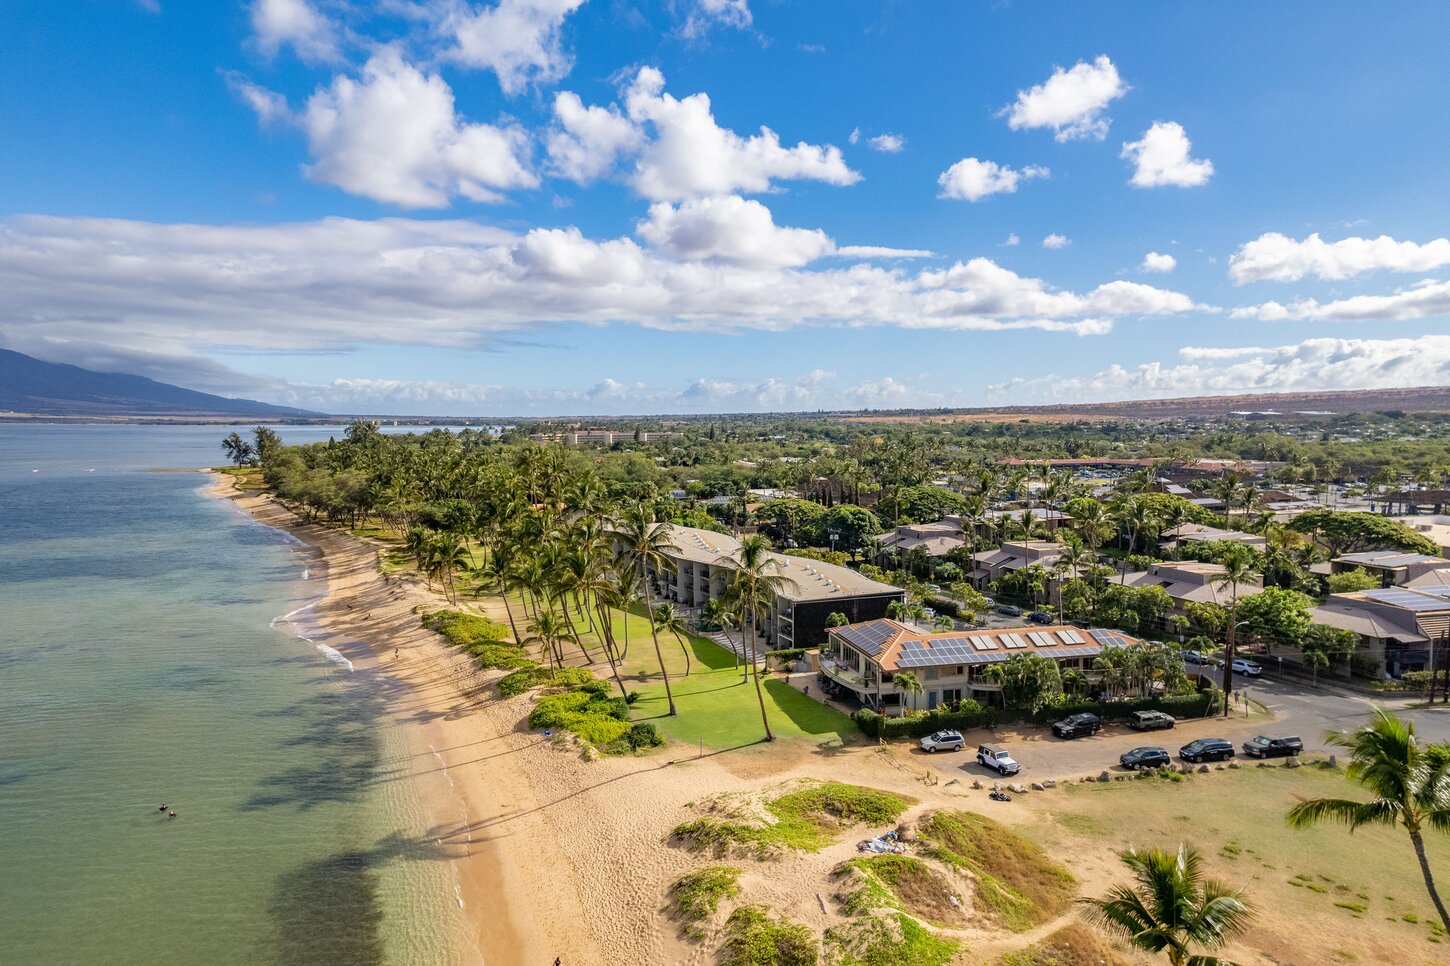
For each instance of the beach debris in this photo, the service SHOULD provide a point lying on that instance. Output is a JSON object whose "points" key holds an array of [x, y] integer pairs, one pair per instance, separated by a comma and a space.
{"points": [[882, 844]]}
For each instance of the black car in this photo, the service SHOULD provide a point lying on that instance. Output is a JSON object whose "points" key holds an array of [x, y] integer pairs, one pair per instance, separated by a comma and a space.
{"points": [[1206, 749], [1041, 617], [1077, 725], [1143, 759], [1151, 720], [1266, 747], [1009, 610]]}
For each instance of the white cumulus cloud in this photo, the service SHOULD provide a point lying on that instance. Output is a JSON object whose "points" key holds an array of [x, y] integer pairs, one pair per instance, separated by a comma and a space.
{"points": [[296, 24], [731, 229], [1158, 262], [1316, 364], [888, 143], [1420, 301], [519, 40], [1276, 257], [690, 155], [587, 141], [971, 179], [1161, 159], [392, 135], [1056, 241], [1071, 102], [705, 14]]}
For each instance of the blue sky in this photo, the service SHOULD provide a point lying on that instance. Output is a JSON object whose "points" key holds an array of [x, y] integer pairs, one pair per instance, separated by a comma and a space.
{"points": [[532, 207]]}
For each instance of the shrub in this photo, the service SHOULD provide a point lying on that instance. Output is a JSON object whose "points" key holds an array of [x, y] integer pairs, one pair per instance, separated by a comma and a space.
{"points": [[753, 938], [643, 735], [696, 895], [480, 637], [526, 679], [968, 715]]}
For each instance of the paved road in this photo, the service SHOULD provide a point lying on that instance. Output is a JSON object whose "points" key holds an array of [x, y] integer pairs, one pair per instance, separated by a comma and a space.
{"points": [[1292, 710]]}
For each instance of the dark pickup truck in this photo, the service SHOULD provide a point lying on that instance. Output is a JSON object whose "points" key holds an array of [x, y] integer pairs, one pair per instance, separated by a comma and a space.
{"points": [[1265, 747]]}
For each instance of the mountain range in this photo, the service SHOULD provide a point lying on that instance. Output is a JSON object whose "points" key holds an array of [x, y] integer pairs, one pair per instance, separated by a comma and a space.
{"points": [[29, 386]]}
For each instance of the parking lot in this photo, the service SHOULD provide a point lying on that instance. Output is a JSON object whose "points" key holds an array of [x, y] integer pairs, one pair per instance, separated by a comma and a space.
{"points": [[1281, 708], [1043, 756]]}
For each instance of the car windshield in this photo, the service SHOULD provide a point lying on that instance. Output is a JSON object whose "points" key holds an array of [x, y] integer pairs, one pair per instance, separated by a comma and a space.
{"points": [[1261, 740]]}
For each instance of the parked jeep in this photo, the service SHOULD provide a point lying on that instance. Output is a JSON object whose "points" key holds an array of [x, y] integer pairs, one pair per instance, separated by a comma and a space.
{"points": [[1265, 747], [998, 760]]}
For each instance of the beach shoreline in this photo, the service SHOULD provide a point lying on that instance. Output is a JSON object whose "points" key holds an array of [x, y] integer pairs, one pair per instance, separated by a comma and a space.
{"points": [[452, 721]]}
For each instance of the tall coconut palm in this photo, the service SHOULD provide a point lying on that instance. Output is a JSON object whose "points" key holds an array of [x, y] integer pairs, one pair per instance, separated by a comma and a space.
{"points": [[974, 519], [1171, 908], [1092, 522], [1239, 567], [755, 585], [646, 546], [1410, 784]]}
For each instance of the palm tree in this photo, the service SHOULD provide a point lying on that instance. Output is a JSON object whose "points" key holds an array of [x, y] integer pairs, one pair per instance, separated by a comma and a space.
{"points": [[908, 683], [1092, 522], [1238, 568], [1171, 908], [666, 618], [755, 586], [1410, 784], [645, 545]]}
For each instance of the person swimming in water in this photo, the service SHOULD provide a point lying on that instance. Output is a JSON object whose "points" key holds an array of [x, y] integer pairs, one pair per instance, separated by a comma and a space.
{"points": [[171, 814], [162, 808]]}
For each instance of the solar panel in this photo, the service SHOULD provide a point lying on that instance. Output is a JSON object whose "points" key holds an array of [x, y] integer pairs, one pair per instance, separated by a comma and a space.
{"points": [[982, 642], [1437, 591], [1408, 599], [1013, 641], [1042, 639], [1071, 637], [869, 637]]}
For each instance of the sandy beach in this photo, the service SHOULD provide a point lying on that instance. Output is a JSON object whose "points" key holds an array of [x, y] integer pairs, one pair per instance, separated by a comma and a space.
{"points": [[553, 855]]}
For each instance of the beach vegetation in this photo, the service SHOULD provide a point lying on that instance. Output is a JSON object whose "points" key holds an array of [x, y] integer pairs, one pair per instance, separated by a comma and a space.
{"points": [[696, 895], [753, 937], [894, 939], [480, 637], [806, 819], [902, 882], [1016, 882], [1075, 944]]}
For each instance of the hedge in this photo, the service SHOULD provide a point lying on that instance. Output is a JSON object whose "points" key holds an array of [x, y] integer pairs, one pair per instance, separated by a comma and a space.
{"points": [[925, 723]]}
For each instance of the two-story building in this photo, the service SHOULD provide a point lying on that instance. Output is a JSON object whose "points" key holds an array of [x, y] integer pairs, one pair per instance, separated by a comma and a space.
{"points": [[950, 665], [1396, 626], [700, 569], [1198, 533], [1015, 555], [1394, 568], [1191, 581]]}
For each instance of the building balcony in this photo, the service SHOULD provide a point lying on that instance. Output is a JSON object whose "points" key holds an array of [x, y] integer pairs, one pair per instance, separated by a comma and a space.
{"points": [[844, 675]]}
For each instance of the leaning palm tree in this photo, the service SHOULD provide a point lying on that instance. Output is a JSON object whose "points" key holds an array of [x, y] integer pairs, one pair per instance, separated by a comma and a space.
{"points": [[756, 584], [1410, 783], [666, 618], [646, 545], [1171, 908], [1239, 567]]}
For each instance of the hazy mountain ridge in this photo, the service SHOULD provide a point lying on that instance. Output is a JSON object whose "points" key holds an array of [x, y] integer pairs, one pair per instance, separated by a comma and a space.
{"points": [[31, 386]]}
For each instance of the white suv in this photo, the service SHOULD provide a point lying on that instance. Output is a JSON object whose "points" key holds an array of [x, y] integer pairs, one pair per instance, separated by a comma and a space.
{"points": [[998, 760], [943, 741]]}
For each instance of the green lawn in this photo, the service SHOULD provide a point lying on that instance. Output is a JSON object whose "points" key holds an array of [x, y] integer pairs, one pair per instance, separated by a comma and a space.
{"points": [[715, 705]]}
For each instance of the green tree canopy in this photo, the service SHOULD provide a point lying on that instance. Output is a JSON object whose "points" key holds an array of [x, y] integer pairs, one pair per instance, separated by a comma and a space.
{"points": [[1351, 580], [1346, 532]]}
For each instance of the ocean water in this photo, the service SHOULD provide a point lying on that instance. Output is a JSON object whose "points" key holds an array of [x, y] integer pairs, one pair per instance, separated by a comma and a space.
{"points": [[142, 661]]}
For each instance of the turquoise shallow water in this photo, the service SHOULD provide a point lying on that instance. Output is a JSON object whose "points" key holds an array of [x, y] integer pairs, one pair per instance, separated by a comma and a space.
{"points": [[141, 663]]}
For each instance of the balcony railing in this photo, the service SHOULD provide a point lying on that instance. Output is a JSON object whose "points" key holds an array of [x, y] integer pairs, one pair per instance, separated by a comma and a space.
{"points": [[843, 674]]}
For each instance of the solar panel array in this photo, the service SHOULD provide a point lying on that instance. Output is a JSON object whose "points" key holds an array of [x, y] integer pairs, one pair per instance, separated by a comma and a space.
{"points": [[1408, 599], [1435, 591], [1042, 638], [1013, 642], [951, 650], [870, 638], [982, 642], [1071, 637], [1108, 638]]}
